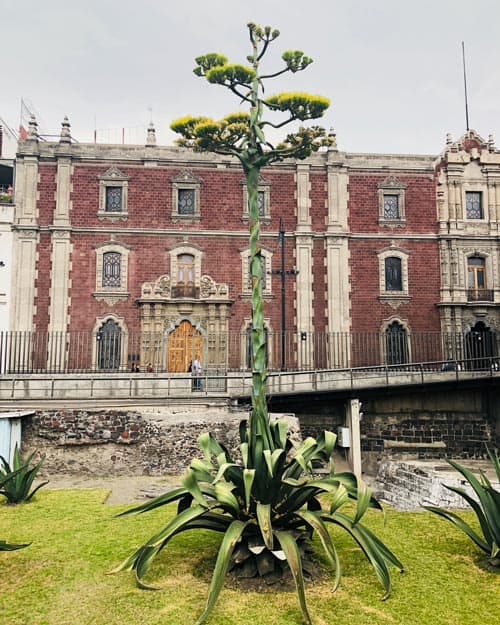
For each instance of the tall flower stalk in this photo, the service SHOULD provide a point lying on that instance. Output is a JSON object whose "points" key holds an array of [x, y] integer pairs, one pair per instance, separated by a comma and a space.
{"points": [[267, 505], [243, 135]]}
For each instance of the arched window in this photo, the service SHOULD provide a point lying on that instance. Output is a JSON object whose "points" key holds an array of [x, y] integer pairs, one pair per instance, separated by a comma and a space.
{"points": [[481, 347], [111, 280], [396, 343], [109, 341]]}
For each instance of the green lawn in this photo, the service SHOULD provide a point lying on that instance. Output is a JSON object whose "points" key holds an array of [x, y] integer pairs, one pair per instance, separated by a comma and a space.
{"points": [[61, 578]]}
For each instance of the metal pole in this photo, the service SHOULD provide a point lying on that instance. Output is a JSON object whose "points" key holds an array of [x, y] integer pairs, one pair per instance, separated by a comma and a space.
{"points": [[465, 89], [283, 302]]}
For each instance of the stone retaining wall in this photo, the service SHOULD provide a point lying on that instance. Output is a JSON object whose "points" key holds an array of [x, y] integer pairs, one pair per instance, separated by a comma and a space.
{"points": [[142, 441], [412, 484]]}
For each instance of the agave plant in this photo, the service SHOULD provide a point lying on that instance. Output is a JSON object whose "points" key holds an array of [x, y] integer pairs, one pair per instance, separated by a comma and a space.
{"points": [[267, 504], [486, 506], [267, 507], [4, 546], [16, 481]]}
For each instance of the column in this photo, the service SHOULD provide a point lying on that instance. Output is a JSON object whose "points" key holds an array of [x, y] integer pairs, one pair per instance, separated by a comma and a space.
{"points": [[304, 263], [61, 255]]}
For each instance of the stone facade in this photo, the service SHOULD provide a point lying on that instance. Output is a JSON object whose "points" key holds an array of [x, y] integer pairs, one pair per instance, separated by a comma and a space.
{"points": [[150, 242]]}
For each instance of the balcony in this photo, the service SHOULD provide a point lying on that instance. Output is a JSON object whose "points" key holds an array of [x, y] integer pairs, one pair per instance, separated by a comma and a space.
{"points": [[186, 290], [480, 295]]}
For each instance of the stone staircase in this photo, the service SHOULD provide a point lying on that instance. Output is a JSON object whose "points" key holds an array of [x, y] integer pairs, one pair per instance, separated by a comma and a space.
{"points": [[410, 484]]}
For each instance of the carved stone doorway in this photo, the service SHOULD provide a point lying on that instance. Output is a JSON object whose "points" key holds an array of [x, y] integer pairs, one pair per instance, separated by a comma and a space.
{"points": [[184, 344]]}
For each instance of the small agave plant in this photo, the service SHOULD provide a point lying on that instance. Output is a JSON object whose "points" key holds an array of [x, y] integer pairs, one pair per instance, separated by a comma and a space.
{"points": [[16, 481], [486, 506], [267, 507]]}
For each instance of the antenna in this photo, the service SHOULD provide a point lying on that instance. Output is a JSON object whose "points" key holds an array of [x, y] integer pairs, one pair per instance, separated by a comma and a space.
{"points": [[465, 89]]}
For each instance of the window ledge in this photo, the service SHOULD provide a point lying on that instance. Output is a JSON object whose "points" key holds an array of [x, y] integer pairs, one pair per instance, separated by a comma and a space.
{"points": [[111, 297], [394, 300], [193, 218], [112, 215], [248, 296], [392, 223]]}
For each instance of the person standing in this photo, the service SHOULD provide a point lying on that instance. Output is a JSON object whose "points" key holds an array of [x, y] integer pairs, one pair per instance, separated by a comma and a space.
{"points": [[196, 372]]}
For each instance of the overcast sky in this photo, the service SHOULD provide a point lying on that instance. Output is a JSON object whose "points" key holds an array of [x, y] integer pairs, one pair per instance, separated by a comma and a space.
{"points": [[392, 68]]}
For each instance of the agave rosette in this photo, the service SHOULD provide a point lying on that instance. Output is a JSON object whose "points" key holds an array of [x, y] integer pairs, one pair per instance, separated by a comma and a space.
{"points": [[267, 506]]}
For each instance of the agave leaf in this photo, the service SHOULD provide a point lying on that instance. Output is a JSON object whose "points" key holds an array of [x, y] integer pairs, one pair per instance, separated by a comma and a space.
{"points": [[370, 548], [255, 544], [158, 541], [224, 495], [265, 563], [204, 441], [243, 430], [364, 496], [289, 546], [295, 500], [308, 443], [241, 553], [36, 489], [388, 555], [462, 525], [161, 500], [489, 509], [231, 537], [244, 454], [265, 524], [267, 458], [495, 461], [317, 524], [191, 484], [222, 470], [203, 469], [280, 431], [476, 507], [248, 479], [4, 546]]}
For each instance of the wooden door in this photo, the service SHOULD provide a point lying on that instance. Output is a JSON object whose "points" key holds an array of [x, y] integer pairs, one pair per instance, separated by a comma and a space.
{"points": [[184, 344]]}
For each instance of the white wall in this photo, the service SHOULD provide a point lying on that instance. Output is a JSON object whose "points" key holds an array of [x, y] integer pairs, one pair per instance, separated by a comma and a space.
{"points": [[6, 219]]}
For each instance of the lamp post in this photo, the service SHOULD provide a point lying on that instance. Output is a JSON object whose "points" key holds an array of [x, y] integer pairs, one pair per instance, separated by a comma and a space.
{"points": [[283, 274]]}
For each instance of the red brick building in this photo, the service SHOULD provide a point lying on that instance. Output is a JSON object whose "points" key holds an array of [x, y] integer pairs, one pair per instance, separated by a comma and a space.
{"points": [[129, 255]]}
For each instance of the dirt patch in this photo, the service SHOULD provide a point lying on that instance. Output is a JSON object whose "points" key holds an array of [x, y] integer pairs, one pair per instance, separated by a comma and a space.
{"points": [[123, 489]]}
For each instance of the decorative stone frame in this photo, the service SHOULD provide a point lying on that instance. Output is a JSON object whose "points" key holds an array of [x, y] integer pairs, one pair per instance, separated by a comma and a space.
{"points": [[468, 187], [113, 177], [383, 330], [392, 186], [245, 272], [111, 294], [490, 273], [120, 321], [174, 270], [394, 298], [265, 188], [186, 180]]}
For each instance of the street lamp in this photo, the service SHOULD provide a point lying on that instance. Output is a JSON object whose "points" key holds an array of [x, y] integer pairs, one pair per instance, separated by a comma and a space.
{"points": [[283, 274]]}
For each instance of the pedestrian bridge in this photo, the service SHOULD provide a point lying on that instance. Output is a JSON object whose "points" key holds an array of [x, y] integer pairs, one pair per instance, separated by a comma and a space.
{"points": [[229, 386]]}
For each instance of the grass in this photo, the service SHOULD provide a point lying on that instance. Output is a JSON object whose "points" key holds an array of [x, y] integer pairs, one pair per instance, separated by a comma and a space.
{"points": [[61, 578]]}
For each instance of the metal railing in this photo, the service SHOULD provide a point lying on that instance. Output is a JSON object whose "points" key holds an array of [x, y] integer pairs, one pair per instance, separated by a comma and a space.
{"points": [[95, 352], [480, 295]]}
